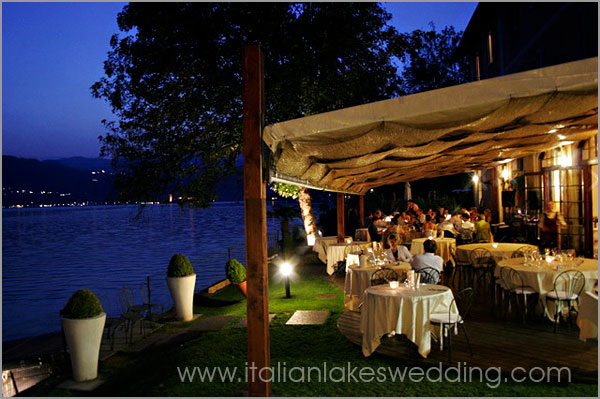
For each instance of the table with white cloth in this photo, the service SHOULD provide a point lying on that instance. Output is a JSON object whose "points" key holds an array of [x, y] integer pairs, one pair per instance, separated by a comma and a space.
{"points": [[541, 278], [445, 247], [321, 244], [358, 279], [499, 250], [587, 319], [403, 311], [338, 251]]}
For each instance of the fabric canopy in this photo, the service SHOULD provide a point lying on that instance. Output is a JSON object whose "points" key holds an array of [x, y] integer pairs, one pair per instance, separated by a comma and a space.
{"points": [[440, 132]]}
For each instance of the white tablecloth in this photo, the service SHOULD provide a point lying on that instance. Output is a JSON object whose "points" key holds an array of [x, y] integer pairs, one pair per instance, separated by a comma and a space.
{"points": [[403, 310], [587, 319], [446, 247], [358, 279], [499, 252], [541, 278], [338, 252], [321, 244]]}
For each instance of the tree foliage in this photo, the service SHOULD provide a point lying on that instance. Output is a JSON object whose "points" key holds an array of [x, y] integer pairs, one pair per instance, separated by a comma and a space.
{"points": [[429, 59], [173, 79]]}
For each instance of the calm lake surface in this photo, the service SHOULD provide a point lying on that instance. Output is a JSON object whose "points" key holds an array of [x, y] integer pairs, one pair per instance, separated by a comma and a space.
{"points": [[49, 253]]}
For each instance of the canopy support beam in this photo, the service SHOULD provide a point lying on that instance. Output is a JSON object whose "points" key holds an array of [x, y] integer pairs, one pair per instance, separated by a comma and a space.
{"points": [[255, 212], [341, 234]]}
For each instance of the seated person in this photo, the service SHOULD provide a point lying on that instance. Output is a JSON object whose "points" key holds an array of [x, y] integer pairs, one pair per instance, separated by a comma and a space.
{"points": [[428, 259], [466, 229], [429, 227], [483, 231], [373, 231], [397, 252], [446, 228]]}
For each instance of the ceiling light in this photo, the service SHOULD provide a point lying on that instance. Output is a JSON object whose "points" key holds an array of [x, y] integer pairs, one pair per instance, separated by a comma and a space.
{"points": [[552, 131], [566, 142], [507, 160], [561, 137], [475, 179]]}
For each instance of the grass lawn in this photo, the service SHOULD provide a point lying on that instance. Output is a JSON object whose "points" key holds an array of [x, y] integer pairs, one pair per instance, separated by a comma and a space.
{"points": [[155, 373]]}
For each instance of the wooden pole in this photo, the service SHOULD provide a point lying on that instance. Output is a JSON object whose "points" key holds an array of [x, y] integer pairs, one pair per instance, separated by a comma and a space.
{"points": [[588, 212], [495, 194], [255, 212], [341, 234], [361, 209]]}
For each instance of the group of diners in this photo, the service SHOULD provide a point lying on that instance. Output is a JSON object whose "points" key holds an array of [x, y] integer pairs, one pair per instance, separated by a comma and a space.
{"points": [[396, 252], [466, 226]]}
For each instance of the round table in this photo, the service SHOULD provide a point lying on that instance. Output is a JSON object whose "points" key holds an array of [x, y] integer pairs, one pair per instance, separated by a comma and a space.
{"points": [[402, 311], [338, 251], [446, 247], [358, 279], [541, 278], [321, 244], [499, 250]]}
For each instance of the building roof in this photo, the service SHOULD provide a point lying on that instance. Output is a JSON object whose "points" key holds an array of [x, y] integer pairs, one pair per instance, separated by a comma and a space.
{"points": [[440, 132]]}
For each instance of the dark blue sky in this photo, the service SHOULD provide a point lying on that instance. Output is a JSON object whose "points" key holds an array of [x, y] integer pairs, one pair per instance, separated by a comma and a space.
{"points": [[53, 52]]}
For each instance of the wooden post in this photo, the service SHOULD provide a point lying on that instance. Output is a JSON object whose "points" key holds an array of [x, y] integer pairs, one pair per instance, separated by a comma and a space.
{"points": [[588, 212], [255, 212], [361, 210], [494, 195], [341, 234]]}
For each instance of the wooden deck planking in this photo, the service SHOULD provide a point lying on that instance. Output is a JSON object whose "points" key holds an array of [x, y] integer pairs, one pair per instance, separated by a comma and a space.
{"points": [[497, 344]]}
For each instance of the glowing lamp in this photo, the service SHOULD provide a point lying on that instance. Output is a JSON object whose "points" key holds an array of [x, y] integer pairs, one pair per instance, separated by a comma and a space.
{"points": [[310, 240], [505, 174], [393, 285], [495, 245], [286, 269], [475, 179]]}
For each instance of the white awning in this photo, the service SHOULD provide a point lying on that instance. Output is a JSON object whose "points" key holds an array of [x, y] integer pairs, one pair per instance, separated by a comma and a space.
{"points": [[440, 132]]}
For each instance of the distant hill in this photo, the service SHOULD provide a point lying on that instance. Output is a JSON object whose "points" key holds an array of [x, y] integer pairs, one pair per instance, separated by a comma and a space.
{"points": [[87, 164], [30, 181]]}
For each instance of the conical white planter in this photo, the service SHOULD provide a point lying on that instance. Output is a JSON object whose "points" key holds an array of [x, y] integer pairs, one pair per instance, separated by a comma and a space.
{"points": [[83, 339], [182, 292]]}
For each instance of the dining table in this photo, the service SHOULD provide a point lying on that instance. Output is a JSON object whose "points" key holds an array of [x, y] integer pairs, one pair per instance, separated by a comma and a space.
{"points": [[321, 244], [358, 279], [337, 252], [445, 247], [587, 319], [499, 250], [402, 310], [540, 276]]}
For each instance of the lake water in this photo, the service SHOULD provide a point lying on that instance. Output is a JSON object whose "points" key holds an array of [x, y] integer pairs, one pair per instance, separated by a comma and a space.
{"points": [[49, 253]]}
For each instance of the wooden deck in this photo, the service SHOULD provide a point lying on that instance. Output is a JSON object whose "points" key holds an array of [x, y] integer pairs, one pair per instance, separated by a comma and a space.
{"points": [[496, 343]]}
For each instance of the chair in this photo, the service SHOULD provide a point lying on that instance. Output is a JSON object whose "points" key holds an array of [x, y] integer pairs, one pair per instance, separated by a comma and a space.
{"points": [[112, 323], [463, 301], [383, 276], [131, 317], [483, 265], [147, 303], [429, 275], [567, 288], [460, 268], [519, 290], [521, 252]]}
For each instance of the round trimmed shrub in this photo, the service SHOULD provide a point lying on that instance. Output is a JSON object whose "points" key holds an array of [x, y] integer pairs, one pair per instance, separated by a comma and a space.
{"points": [[235, 271], [82, 305], [179, 266]]}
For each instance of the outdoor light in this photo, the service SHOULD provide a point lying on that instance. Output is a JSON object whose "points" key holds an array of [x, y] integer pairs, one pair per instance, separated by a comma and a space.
{"points": [[566, 142], [507, 160], [475, 179], [393, 285], [286, 269], [495, 245], [565, 160], [552, 131], [561, 136], [505, 174], [310, 240]]}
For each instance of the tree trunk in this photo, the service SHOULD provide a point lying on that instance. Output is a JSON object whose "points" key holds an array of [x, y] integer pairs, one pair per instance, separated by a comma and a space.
{"points": [[310, 225]]}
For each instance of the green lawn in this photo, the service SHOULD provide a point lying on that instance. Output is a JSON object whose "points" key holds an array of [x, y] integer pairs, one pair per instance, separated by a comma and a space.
{"points": [[155, 373]]}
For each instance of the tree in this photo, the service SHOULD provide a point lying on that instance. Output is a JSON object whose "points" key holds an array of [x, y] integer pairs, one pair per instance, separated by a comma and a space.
{"points": [[429, 59], [173, 79], [305, 203]]}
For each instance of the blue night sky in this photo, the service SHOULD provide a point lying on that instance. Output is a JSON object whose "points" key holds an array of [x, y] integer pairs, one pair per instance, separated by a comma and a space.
{"points": [[53, 52]]}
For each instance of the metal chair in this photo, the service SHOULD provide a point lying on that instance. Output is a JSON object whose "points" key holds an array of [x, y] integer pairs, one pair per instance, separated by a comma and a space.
{"points": [[519, 290], [521, 252], [145, 293], [482, 266], [448, 320], [429, 275], [568, 285], [383, 276], [131, 317], [112, 323]]}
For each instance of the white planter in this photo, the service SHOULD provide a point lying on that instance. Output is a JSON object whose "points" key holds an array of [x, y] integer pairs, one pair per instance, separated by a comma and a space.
{"points": [[83, 339], [182, 292]]}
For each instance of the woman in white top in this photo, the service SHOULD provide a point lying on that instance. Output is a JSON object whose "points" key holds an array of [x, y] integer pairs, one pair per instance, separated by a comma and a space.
{"points": [[397, 252]]}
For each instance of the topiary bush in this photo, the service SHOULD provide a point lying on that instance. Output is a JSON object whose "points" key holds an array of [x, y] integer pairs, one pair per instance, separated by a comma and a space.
{"points": [[82, 305], [179, 266], [235, 271]]}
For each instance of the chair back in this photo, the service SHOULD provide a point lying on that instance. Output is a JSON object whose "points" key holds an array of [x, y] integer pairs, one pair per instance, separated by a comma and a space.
{"points": [[569, 283], [106, 303], [481, 257], [464, 302], [429, 275], [125, 299], [516, 279], [383, 276], [505, 277], [521, 252]]}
